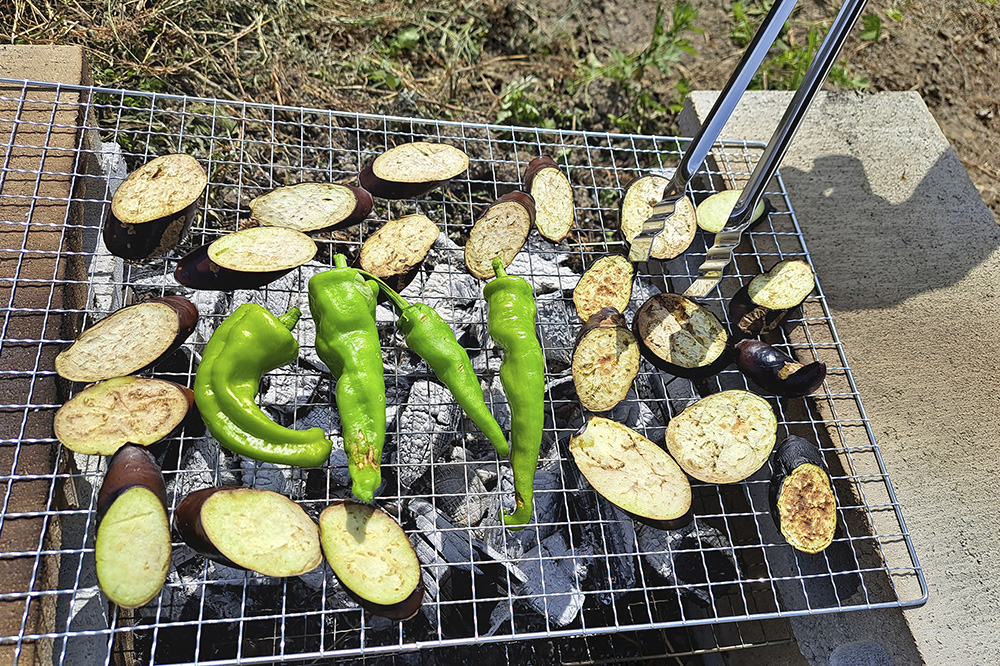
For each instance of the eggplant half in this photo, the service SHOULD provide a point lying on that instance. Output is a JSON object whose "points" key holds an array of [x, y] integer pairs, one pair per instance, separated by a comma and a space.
{"points": [[553, 195], [394, 252], [605, 361], [500, 232], [373, 559], [312, 206], [125, 410], [723, 438], [132, 547], [632, 473], [637, 205], [153, 208], [412, 169], [607, 283], [803, 504], [246, 259], [128, 340], [681, 337], [776, 372], [764, 302], [248, 528], [713, 213]]}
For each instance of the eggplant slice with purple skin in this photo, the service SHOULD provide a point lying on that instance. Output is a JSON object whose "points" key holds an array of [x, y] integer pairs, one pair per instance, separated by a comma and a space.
{"points": [[605, 361], [154, 206], [412, 169], [775, 371], [132, 547], [395, 251], [128, 340], [246, 259], [312, 206], [637, 205], [249, 528], [632, 473], [500, 232], [373, 558], [761, 305], [681, 337], [607, 283], [553, 195], [803, 504]]}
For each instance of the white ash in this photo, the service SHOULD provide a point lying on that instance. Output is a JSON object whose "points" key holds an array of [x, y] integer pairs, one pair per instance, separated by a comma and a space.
{"points": [[456, 295], [288, 388], [558, 328], [544, 267], [204, 462], [553, 580], [426, 427], [283, 479], [213, 307]]}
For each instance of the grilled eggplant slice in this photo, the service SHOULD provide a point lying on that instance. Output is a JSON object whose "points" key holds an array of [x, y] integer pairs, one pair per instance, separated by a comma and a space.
{"points": [[128, 340], [803, 504], [553, 195], [412, 169], [249, 528], [632, 472], [764, 302], [605, 361], [681, 337], [246, 259], [132, 548], [397, 248], [152, 209], [713, 213], [607, 283], [312, 206], [775, 371], [372, 557], [637, 204], [500, 232], [723, 438], [125, 410]]}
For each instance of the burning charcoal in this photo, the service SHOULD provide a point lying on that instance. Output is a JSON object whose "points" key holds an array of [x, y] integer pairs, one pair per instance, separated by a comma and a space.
{"points": [[553, 585], [426, 425], [461, 494], [683, 556]]}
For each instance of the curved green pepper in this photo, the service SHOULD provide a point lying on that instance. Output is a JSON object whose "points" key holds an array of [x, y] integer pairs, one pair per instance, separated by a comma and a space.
{"points": [[249, 343], [511, 324], [432, 339], [343, 305]]}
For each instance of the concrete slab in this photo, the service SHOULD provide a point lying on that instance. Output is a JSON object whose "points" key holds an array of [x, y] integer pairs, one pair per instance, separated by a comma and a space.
{"points": [[907, 255]]}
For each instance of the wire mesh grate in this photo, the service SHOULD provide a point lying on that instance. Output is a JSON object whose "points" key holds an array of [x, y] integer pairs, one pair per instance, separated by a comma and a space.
{"points": [[580, 569]]}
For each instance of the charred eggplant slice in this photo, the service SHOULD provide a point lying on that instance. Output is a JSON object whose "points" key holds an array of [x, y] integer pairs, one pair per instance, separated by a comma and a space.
{"points": [[607, 283], [152, 209], [412, 169], [397, 248], [312, 206], [125, 410], [132, 548], [637, 204], [632, 472], [681, 337], [723, 438], [252, 529], [765, 301], [128, 340], [373, 558], [245, 259], [803, 503], [605, 361], [713, 213], [553, 195], [775, 371], [500, 232]]}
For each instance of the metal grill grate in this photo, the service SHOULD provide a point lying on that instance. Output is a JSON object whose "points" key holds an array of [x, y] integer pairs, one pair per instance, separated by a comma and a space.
{"points": [[579, 569]]}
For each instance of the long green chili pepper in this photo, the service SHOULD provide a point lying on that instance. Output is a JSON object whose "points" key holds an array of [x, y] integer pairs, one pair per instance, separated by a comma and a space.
{"points": [[343, 305], [432, 339], [511, 324], [249, 343]]}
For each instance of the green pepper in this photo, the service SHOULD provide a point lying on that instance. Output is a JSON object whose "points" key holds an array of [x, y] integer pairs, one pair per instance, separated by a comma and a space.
{"points": [[511, 324], [249, 343], [431, 338], [343, 305]]}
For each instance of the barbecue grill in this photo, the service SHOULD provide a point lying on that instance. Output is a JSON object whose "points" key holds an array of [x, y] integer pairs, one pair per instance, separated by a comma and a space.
{"points": [[581, 584]]}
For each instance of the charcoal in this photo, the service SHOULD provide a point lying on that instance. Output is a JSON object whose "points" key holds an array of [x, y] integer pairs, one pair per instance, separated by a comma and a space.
{"points": [[460, 494], [558, 328], [327, 418], [426, 425], [281, 479], [213, 307], [684, 556], [553, 580], [456, 295], [204, 463], [287, 389], [643, 288], [452, 544], [544, 267]]}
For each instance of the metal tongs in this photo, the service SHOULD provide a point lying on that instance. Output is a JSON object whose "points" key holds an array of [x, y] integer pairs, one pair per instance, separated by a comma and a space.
{"points": [[721, 252]]}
